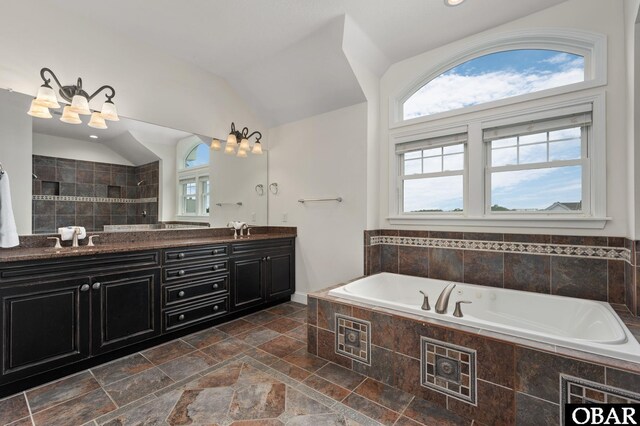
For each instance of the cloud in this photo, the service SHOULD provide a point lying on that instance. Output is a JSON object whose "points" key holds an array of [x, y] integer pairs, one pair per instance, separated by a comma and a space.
{"points": [[452, 91]]}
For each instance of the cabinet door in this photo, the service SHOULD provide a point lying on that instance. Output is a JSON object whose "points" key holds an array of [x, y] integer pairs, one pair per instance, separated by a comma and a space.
{"points": [[46, 325], [125, 309], [247, 278], [280, 275]]}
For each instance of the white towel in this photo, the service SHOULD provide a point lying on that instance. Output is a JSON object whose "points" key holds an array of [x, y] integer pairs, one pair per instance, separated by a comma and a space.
{"points": [[8, 230], [66, 233]]}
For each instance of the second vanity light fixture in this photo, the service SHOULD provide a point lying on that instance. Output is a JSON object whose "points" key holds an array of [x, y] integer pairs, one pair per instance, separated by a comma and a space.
{"points": [[46, 98], [240, 140]]}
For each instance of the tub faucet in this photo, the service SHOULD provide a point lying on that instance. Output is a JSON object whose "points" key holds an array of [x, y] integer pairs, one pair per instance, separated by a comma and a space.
{"points": [[443, 300]]}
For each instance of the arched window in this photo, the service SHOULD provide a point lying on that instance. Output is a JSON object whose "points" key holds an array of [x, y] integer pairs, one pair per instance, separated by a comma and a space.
{"points": [[198, 156], [493, 77], [193, 182]]}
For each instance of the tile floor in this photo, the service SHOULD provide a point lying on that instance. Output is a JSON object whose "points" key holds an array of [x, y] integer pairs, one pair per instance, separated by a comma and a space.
{"points": [[251, 371]]}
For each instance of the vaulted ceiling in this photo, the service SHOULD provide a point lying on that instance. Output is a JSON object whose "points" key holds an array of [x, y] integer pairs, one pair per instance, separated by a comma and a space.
{"points": [[285, 57]]}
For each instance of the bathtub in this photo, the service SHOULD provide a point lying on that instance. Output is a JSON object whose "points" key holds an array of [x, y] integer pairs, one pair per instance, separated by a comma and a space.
{"points": [[584, 325]]}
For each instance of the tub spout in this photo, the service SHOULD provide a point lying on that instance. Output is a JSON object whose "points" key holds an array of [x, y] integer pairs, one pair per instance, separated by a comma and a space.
{"points": [[443, 300]]}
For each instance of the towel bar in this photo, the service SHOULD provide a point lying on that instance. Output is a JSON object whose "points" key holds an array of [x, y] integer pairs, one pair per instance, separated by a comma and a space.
{"points": [[306, 200]]}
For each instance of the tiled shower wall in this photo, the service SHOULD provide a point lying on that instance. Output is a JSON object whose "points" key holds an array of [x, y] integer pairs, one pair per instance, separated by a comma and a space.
{"points": [[596, 268], [84, 193]]}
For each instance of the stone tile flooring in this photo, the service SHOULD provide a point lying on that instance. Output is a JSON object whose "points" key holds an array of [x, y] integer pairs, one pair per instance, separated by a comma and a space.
{"points": [[251, 371]]}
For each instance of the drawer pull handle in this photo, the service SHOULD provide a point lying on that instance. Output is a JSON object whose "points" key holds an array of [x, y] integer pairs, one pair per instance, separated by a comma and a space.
{"points": [[181, 317], [96, 286], [215, 308], [216, 267], [268, 258], [216, 251], [215, 286], [181, 294], [85, 287], [181, 256], [181, 272]]}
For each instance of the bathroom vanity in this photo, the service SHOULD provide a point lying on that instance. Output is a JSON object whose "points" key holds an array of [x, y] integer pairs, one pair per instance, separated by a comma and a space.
{"points": [[64, 310]]}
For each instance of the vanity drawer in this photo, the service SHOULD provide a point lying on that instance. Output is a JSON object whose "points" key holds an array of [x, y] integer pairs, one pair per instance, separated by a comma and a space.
{"points": [[201, 270], [273, 244], [185, 293], [191, 254], [179, 318]]}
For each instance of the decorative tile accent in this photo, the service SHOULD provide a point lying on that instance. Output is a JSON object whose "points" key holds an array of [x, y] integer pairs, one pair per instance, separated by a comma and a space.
{"points": [[580, 391], [594, 252], [448, 369], [93, 199], [353, 338]]}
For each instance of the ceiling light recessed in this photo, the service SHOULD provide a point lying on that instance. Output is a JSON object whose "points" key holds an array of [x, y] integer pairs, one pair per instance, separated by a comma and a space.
{"points": [[453, 2], [93, 136]]}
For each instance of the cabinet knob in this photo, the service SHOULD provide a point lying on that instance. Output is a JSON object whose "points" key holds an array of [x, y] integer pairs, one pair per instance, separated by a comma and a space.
{"points": [[85, 287], [181, 293], [216, 251], [96, 286], [215, 286], [268, 258], [181, 272], [181, 317], [215, 308], [216, 267], [180, 255]]}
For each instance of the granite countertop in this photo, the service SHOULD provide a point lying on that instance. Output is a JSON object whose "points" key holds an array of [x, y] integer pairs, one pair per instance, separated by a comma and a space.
{"points": [[18, 254]]}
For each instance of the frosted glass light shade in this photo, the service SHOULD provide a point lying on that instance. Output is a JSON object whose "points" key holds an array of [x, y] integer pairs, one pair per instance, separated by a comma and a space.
{"points": [[69, 116], [97, 122], [229, 149], [257, 148], [242, 153], [38, 110], [109, 111], [215, 145], [80, 105], [46, 97], [244, 144], [453, 2], [232, 140]]}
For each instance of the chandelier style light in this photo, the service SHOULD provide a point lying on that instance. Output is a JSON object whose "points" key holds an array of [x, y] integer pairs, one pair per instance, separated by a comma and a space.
{"points": [[240, 140], [79, 99]]}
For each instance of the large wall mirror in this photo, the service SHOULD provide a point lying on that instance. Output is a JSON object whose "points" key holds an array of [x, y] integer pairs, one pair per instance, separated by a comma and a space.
{"points": [[130, 176]]}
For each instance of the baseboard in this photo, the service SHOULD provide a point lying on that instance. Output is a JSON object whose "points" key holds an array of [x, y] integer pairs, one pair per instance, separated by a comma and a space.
{"points": [[299, 297]]}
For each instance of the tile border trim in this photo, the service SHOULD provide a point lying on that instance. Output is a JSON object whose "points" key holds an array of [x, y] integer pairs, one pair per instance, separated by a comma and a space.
{"points": [[590, 252], [93, 199], [367, 360]]}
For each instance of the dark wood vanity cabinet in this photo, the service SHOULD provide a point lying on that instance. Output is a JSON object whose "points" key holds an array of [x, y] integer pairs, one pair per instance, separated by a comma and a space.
{"points": [[46, 325], [262, 271], [59, 312]]}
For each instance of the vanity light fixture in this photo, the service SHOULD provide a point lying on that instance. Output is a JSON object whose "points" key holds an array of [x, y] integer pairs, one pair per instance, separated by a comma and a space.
{"points": [[243, 146], [46, 98], [453, 2]]}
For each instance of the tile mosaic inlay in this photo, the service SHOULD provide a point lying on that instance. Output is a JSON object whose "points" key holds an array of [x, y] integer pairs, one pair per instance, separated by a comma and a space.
{"points": [[594, 252], [353, 338], [448, 369], [93, 199], [580, 391]]}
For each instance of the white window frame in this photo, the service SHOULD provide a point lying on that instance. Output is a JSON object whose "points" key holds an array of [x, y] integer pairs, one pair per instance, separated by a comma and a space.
{"points": [[197, 175], [529, 107]]}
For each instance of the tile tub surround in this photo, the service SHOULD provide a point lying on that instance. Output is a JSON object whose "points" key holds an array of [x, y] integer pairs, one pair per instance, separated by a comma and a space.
{"points": [[596, 268], [213, 377], [518, 380], [90, 194]]}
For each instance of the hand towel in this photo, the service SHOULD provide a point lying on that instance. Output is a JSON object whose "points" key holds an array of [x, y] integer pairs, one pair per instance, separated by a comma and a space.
{"points": [[8, 230], [66, 233]]}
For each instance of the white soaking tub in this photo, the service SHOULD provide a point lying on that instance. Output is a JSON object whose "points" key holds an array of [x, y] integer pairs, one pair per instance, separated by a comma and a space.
{"points": [[585, 325]]}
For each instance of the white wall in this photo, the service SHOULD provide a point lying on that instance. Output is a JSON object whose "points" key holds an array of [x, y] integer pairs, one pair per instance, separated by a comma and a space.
{"points": [[605, 17], [322, 156], [16, 155], [54, 146], [167, 179]]}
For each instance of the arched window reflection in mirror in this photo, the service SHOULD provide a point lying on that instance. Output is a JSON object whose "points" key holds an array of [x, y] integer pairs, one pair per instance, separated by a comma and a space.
{"points": [[493, 77], [198, 156]]}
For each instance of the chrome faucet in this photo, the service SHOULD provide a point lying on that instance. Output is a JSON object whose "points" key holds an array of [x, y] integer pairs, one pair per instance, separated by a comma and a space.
{"points": [[76, 232], [443, 299]]}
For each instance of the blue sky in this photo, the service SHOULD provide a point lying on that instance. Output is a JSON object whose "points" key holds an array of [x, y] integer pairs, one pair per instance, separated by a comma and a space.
{"points": [[484, 79]]}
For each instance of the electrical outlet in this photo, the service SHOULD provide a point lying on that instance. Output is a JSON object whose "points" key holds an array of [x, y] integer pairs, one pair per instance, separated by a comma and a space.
{"points": [[285, 217]]}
